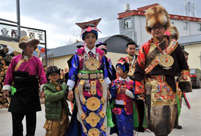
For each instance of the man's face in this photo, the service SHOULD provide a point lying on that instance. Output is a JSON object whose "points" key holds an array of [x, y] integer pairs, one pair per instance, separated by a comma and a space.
{"points": [[131, 49], [158, 31]]}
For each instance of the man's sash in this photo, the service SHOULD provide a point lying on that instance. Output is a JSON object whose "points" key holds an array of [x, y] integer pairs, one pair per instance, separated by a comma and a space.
{"points": [[152, 59]]}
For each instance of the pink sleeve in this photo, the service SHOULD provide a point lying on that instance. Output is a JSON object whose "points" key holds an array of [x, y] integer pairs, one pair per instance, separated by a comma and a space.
{"points": [[41, 73], [9, 75]]}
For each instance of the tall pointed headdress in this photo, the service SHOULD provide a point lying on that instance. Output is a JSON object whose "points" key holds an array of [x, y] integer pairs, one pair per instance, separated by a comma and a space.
{"points": [[90, 26]]}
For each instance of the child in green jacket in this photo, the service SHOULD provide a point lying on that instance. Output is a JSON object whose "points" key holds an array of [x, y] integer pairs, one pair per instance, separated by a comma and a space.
{"points": [[56, 106]]}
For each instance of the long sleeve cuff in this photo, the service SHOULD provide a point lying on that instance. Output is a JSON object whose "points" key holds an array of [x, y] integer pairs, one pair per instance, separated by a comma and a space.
{"points": [[71, 84], [7, 87], [41, 87], [107, 80], [129, 94]]}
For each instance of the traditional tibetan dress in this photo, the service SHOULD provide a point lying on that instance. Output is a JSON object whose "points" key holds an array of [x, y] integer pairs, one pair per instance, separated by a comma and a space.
{"points": [[89, 74], [131, 61], [123, 106], [25, 74], [157, 65]]}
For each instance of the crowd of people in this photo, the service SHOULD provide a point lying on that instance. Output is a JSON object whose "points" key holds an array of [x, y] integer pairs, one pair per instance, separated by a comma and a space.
{"points": [[141, 92]]}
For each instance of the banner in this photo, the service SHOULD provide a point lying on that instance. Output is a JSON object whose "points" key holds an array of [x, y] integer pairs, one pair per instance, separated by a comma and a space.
{"points": [[7, 30]]}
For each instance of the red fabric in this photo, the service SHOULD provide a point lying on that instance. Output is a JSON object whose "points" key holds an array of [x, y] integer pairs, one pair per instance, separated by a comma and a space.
{"points": [[142, 54], [139, 87], [128, 104]]}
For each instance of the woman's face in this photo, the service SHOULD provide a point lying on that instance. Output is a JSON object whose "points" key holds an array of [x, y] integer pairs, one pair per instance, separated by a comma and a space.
{"points": [[158, 31], [29, 49], [90, 39]]}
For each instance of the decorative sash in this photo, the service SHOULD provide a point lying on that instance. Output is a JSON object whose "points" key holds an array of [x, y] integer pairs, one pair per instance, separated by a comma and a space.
{"points": [[152, 59]]}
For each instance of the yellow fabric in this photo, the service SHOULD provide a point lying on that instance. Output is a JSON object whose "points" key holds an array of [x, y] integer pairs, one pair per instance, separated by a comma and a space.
{"points": [[161, 92], [57, 127]]}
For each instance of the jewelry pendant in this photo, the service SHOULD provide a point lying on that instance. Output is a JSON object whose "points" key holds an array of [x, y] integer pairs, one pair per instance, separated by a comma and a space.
{"points": [[166, 61]]}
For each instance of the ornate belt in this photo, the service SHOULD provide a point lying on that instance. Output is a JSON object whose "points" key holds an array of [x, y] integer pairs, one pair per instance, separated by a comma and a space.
{"points": [[86, 75], [159, 78]]}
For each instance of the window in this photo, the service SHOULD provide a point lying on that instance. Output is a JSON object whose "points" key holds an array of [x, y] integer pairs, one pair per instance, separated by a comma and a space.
{"points": [[127, 23], [199, 26], [185, 26]]}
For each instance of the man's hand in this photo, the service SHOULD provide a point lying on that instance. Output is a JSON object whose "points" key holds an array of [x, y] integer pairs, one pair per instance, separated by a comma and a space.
{"points": [[6, 93], [70, 96]]}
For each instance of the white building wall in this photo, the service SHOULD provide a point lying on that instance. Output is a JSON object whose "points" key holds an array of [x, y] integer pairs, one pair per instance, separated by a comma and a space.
{"points": [[194, 57], [142, 36]]}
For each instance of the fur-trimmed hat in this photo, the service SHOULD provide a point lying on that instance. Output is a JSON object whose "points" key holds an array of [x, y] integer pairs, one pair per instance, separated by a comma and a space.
{"points": [[25, 40], [156, 15], [173, 31]]}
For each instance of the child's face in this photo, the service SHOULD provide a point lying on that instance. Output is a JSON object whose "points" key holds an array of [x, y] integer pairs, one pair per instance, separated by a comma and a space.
{"points": [[90, 39], [54, 77], [120, 72]]}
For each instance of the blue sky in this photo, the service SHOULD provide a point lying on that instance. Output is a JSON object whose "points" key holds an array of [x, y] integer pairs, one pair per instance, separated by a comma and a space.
{"points": [[58, 18]]}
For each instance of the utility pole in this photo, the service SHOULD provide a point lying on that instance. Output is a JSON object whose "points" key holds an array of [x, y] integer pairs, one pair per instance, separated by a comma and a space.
{"points": [[18, 19]]}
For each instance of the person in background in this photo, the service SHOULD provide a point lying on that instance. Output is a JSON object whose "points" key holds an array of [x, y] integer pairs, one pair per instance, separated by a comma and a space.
{"points": [[111, 69], [139, 103], [131, 58], [24, 71], [56, 106], [158, 62]]}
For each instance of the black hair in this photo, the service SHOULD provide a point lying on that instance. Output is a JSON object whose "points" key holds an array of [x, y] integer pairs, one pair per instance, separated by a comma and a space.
{"points": [[131, 43]]}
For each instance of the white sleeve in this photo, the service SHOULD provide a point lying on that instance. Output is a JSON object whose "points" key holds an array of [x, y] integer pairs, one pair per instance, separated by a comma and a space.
{"points": [[71, 84], [107, 80], [7, 87], [41, 87], [129, 94]]}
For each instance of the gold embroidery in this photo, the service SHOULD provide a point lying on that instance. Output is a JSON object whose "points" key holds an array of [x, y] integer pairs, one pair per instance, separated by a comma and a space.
{"points": [[93, 103]]}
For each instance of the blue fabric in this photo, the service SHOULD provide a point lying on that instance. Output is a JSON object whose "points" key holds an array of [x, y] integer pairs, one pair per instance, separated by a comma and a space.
{"points": [[111, 69], [93, 31], [87, 112], [123, 67], [72, 75], [113, 91], [125, 124], [104, 67], [73, 72], [75, 125], [73, 129]]}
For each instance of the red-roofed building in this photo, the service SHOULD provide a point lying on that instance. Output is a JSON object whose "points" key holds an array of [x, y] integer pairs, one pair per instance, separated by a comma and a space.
{"points": [[132, 24]]}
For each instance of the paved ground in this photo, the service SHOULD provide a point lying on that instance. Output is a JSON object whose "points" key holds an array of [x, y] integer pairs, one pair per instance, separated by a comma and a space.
{"points": [[189, 119]]}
